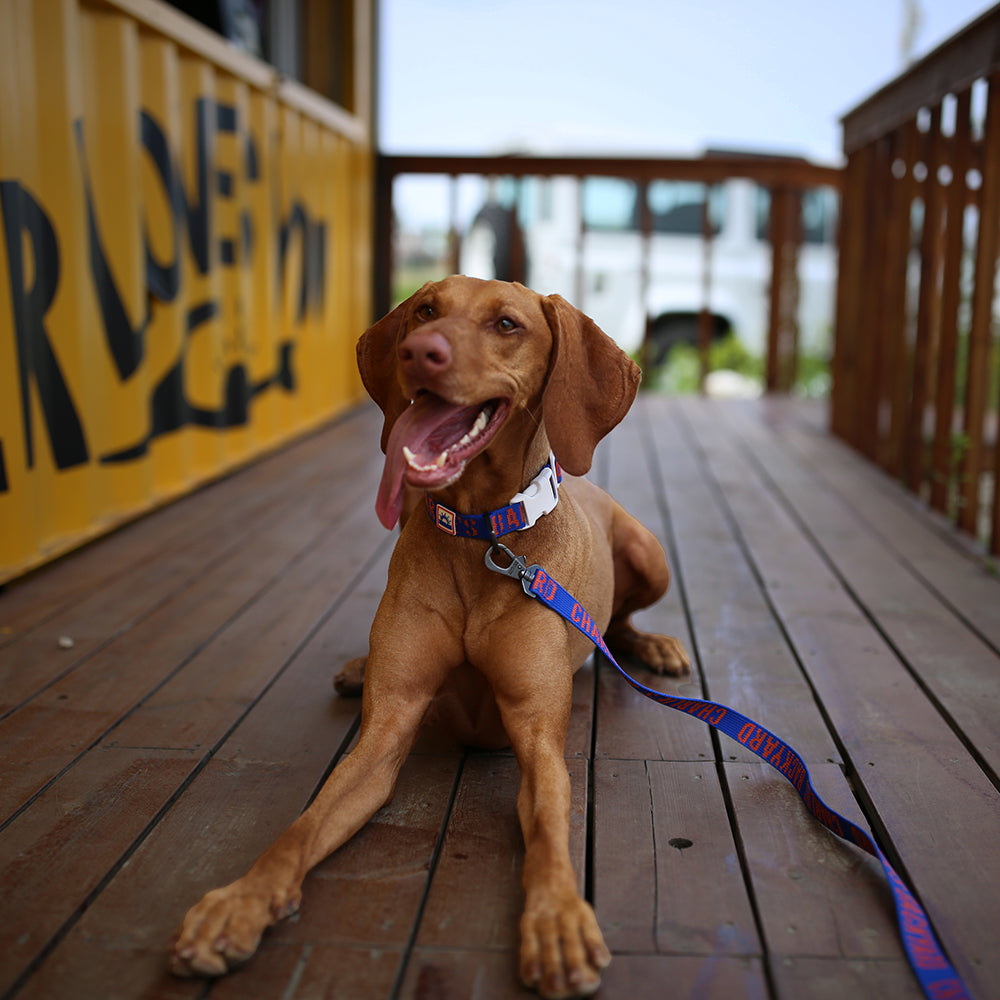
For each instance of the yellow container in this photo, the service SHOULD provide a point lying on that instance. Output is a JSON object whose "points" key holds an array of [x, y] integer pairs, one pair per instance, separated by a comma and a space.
{"points": [[184, 264]]}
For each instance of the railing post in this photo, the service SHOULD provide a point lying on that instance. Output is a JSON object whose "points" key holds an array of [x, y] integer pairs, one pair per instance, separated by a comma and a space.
{"points": [[944, 414], [980, 331], [783, 327], [928, 306], [383, 250], [705, 313]]}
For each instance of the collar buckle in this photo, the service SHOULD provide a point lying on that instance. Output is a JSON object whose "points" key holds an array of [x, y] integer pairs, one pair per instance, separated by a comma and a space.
{"points": [[541, 495]]}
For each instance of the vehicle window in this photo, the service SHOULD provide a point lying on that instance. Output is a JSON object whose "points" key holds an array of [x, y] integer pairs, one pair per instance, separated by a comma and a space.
{"points": [[609, 204], [819, 215], [677, 206]]}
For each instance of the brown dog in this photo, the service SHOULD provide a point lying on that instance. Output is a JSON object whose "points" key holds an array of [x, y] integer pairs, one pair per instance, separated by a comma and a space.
{"points": [[478, 381]]}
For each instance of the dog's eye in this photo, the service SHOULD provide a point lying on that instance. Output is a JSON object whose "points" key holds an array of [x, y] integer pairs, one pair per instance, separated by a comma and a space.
{"points": [[506, 325], [425, 312]]}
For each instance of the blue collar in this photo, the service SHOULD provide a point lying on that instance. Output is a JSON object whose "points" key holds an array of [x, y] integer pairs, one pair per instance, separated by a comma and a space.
{"points": [[539, 497]]}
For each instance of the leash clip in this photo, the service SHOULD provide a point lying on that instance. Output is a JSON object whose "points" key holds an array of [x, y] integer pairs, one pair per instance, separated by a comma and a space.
{"points": [[516, 569]]}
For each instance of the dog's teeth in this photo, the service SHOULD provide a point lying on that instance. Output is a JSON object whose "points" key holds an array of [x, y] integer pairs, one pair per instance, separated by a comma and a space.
{"points": [[411, 461]]}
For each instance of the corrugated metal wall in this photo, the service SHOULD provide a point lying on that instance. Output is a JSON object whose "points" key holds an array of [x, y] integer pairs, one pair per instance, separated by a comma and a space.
{"points": [[184, 264]]}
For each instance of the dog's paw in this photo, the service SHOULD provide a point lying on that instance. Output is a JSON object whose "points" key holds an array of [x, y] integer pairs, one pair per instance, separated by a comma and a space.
{"points": [[562, 949], [350, 681], [663, 654], [224, 929]]}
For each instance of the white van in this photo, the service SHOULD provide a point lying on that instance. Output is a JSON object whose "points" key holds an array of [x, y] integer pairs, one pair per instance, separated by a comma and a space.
{"points": [[548, 211]]}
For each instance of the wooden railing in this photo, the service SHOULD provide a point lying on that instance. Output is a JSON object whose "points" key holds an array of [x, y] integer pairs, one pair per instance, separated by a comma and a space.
{"points": [[786, 178], [916, 362]]}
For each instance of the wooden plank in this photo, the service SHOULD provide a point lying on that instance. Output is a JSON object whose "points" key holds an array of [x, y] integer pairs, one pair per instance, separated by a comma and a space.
{"points": [[455, 974], [205, 517], [111, 607], [629, 724], [369, 892], [486, 975], [953, 663], [816, 894], [928, 548], [702, 901], [475, 898], [624, 856], [920, 779], [201, 700], [651, 892], [742, 649], [834, 979], [82, 706], [255, 785], [54, 857], [309, 972]]}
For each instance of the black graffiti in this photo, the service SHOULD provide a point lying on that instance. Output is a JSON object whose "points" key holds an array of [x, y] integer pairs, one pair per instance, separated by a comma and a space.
{"points": [[170, 408], [191, 215], [36, 361]]}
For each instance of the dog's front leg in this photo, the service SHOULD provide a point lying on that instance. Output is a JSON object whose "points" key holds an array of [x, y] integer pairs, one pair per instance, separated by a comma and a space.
{"points": [[562, 949], [225, 927]]}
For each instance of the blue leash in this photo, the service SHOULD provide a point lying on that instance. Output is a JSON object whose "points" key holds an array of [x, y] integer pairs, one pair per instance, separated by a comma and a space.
{"points": [[937, 978]]}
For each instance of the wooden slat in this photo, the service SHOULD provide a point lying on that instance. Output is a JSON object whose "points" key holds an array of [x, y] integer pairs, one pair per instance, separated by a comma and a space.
{"points": [[917, 773], [630, 725], [816, 596], [951, 661], [257, 782], [702, 902], [947, 568], [892, 331], [834, 979], [980, 331], [942, 457], [476, 896], [816, 895], [744, 653], [199, 523], [82, 706], [928, 302], [487, 976]]}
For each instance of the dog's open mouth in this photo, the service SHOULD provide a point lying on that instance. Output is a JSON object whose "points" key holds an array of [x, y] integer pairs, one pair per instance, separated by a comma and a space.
{"points": [[430, 444]]}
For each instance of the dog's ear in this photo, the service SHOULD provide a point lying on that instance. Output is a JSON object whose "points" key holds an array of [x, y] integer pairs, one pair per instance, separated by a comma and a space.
{"points": [[591, 385], [377, 364]]}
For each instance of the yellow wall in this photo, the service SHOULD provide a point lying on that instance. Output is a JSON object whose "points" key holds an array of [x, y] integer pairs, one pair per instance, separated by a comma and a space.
{"points": [[184, 264]]}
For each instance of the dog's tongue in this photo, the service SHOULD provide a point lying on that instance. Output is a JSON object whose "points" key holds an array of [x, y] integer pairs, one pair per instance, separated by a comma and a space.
{"points": [[429, 414]]}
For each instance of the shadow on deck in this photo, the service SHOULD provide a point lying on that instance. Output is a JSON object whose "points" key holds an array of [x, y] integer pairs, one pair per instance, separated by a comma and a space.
{"points": [[167, 710]]}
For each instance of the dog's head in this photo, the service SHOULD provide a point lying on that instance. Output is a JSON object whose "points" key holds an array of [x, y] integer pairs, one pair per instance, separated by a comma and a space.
{"points": [[462, 361]]}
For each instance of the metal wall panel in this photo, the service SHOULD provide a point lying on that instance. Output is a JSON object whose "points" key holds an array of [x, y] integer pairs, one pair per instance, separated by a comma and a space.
{"points": [[184, 264]]}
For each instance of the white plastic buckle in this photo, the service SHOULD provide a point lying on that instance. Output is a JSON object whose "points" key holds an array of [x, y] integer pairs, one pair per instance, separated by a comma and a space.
{"points": [[541, 495]]}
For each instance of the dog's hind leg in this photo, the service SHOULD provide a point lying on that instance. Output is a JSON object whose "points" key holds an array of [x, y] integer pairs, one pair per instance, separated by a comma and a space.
{"points": [[641, 579], [350, 681]]}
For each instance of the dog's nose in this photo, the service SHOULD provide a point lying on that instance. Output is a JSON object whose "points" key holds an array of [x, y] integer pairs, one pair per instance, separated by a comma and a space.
{"points": [[425, 353]]}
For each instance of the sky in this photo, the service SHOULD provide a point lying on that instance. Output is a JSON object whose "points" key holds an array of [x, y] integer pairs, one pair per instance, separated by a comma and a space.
{"points": [[670, 77]]}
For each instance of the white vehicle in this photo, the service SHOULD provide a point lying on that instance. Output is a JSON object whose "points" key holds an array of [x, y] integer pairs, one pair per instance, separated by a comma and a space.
{"points": [[608, 285]]}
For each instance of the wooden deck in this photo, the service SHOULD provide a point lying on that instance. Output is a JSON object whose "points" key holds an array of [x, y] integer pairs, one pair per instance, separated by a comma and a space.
{"points": [[166, 709]]}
